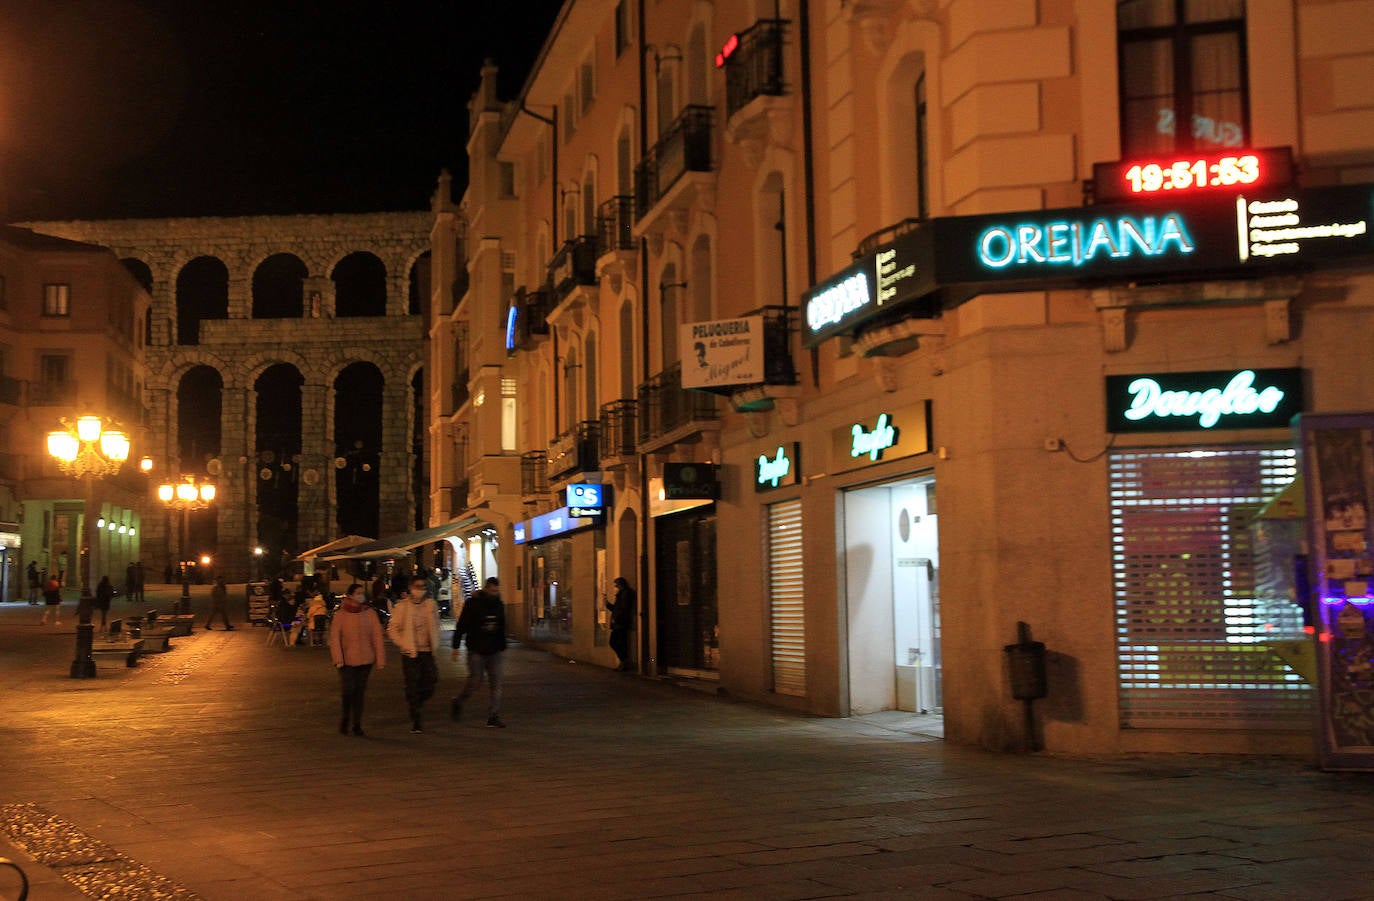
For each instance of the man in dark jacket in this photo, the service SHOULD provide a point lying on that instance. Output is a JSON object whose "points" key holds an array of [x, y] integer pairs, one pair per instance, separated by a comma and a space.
{"points": [[483, 621]]}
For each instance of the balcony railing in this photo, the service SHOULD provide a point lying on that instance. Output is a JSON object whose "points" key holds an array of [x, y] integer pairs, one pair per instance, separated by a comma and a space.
{"points": [[684, 147], [532, 319], [573, 265], [576, 450], [755, 68], [459, 391], [11, 391], [664, 405], [615, 221], [534, 473], [778, 325], [52, 394], [618, 429]]}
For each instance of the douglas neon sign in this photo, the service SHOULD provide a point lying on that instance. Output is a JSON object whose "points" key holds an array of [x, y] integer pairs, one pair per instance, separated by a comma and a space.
{"points": [[1077, 243], [770, 472], [1199, 401]]}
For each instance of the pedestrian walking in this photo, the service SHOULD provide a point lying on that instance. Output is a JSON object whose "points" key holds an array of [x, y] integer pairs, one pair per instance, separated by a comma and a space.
{"points": [[131, 582], [219, 605], [414, 629], [35, 583], [140, 578], [104, 594], [483, 621], [622, 620], [355, 644], [52, 601]]}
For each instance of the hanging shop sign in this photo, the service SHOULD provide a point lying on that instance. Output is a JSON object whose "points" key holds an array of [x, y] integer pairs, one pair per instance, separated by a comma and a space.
{"points": [[587, 499], [1222, 231], [894, 275], [721, 352], [1203, 401], [888, 435], [691, 481], [512, 328], [551, 525], [1225, 171], [781, 466]]}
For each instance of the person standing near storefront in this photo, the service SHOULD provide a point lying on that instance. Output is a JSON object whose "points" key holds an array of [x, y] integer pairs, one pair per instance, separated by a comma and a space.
{"points": [[104, 594], [483, 621], [414, 629], [219, 605], [622, 620], [355, 644], [35, 583]]}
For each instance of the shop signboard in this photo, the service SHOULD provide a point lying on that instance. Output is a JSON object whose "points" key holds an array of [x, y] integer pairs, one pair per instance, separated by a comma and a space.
{"points": [[1338, 471], [587, 499], [691, 481], [721, 352], [1224, 231], [886, 435], [1175, 176], [781, 466], [550, 525], [1203, 401]]}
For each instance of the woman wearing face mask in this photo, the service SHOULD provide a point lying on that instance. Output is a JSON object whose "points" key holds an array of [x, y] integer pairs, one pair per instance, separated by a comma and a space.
{"points": [[355, 644]]}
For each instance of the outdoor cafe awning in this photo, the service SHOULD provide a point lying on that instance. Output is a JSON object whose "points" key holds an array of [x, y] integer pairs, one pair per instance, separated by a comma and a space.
{"points": [[338, 544], [399, 545]]}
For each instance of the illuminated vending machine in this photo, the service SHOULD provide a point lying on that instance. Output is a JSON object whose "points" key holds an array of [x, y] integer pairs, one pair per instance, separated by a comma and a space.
{"points": [[1339, 471]]}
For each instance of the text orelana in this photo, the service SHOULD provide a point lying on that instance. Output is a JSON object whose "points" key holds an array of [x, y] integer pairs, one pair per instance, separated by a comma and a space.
{"points": [[1238, 398]]}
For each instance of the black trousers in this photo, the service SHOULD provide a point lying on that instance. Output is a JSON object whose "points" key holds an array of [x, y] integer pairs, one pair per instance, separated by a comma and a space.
{"points": [[620, 643], [421, 675], [353, 681]]}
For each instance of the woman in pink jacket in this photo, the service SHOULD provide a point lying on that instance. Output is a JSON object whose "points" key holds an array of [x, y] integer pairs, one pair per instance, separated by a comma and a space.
{"points": [[355, 643]]}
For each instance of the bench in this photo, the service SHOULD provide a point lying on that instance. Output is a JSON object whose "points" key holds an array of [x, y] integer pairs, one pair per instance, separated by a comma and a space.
{"points": [[117, 643], [178, 623]]}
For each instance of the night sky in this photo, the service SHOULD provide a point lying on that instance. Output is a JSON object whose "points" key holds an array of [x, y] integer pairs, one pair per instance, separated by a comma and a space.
{"points": [[139, 108]]}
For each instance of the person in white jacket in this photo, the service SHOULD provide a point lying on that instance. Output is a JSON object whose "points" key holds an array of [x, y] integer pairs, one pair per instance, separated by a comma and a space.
{"points": [[414, 628]]}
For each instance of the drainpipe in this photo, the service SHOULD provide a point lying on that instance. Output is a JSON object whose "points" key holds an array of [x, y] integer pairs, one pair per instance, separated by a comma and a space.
{"points": [[645, 645], [808, 165]]}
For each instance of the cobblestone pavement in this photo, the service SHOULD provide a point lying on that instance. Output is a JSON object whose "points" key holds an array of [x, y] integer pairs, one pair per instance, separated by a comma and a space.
{"points": [[215, 771]]}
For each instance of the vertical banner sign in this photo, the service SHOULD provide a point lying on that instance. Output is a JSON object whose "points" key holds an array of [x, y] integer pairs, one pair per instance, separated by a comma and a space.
{"points": [[1338, 466]]}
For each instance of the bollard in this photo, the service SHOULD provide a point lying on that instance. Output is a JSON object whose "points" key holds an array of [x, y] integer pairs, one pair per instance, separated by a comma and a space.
{"points": [[1029, 683]]}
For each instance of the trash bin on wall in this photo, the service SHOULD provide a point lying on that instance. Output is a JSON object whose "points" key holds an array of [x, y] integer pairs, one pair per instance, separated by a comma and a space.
{"points": [[1026, 665]]}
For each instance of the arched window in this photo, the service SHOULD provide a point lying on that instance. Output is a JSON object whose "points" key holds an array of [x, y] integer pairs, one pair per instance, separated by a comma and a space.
{"points": [[701, 279], [278, 288], [571, 400], [359, 286], [589, 376], [202, 293], [669, 286], [140, 271], [589, 202], [627, 350], [358, 448], [696, 66], [771, 241]]}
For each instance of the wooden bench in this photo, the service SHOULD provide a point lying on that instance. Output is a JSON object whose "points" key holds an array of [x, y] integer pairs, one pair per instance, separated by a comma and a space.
{"points": [[178, 623]]}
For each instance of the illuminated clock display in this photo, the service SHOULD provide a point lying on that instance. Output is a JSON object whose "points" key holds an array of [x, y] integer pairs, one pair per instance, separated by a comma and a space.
{"points": [[1235, 170]]}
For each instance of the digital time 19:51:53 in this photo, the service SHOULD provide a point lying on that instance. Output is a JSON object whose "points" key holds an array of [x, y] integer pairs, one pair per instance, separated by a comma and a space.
{"points": [[1181, 175]]}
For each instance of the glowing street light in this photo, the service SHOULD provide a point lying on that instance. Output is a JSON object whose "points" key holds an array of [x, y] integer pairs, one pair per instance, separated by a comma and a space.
{"points": [[88, 449], [188, 494]]}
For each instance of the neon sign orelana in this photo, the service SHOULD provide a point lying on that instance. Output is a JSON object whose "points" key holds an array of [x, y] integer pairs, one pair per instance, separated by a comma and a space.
{"points": [[1077, 243], [1238, 398], [872, 444]]}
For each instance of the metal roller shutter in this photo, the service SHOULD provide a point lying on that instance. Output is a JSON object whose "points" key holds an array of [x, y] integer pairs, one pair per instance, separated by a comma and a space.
{"points": [[785, 581], [1191, 634]]}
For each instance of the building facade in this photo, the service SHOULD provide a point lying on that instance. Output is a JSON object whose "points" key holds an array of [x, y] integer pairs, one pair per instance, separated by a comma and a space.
{"points": [[892, 334], [285, 355], [70, 344]]}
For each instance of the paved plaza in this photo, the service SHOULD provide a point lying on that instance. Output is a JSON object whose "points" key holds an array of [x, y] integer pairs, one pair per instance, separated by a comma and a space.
{"points": [[214, 771]]}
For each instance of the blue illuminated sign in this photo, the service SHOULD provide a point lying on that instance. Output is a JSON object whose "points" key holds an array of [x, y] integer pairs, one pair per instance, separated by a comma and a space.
{"points": [[550, 525], [512, 317], [587, 499]]}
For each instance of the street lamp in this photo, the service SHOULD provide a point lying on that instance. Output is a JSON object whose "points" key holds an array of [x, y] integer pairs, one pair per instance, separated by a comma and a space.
{"points": [[188, 495], [88, 449]]}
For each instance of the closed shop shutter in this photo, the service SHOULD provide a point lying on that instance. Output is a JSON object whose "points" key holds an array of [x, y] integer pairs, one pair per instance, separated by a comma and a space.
{"points": [[1192, 635], [785, 579]]}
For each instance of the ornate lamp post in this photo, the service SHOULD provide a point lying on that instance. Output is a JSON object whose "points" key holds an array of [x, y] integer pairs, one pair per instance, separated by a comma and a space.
{"points": [[187, 495], [88, 449]]}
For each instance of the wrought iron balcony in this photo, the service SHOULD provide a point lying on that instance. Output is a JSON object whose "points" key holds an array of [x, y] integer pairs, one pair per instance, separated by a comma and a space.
{"points": [[666, 407], [573, 265], [534, 474], [615, 221], [11, 391], [52, 394], [684, 147], [618, 429], [576, 450], [754, 69], [459, 389]]}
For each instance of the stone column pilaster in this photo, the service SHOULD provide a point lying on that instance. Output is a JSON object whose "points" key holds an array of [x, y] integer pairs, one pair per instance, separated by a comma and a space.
{"points": [[316, 522], [240, 295], [236, 514]]}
